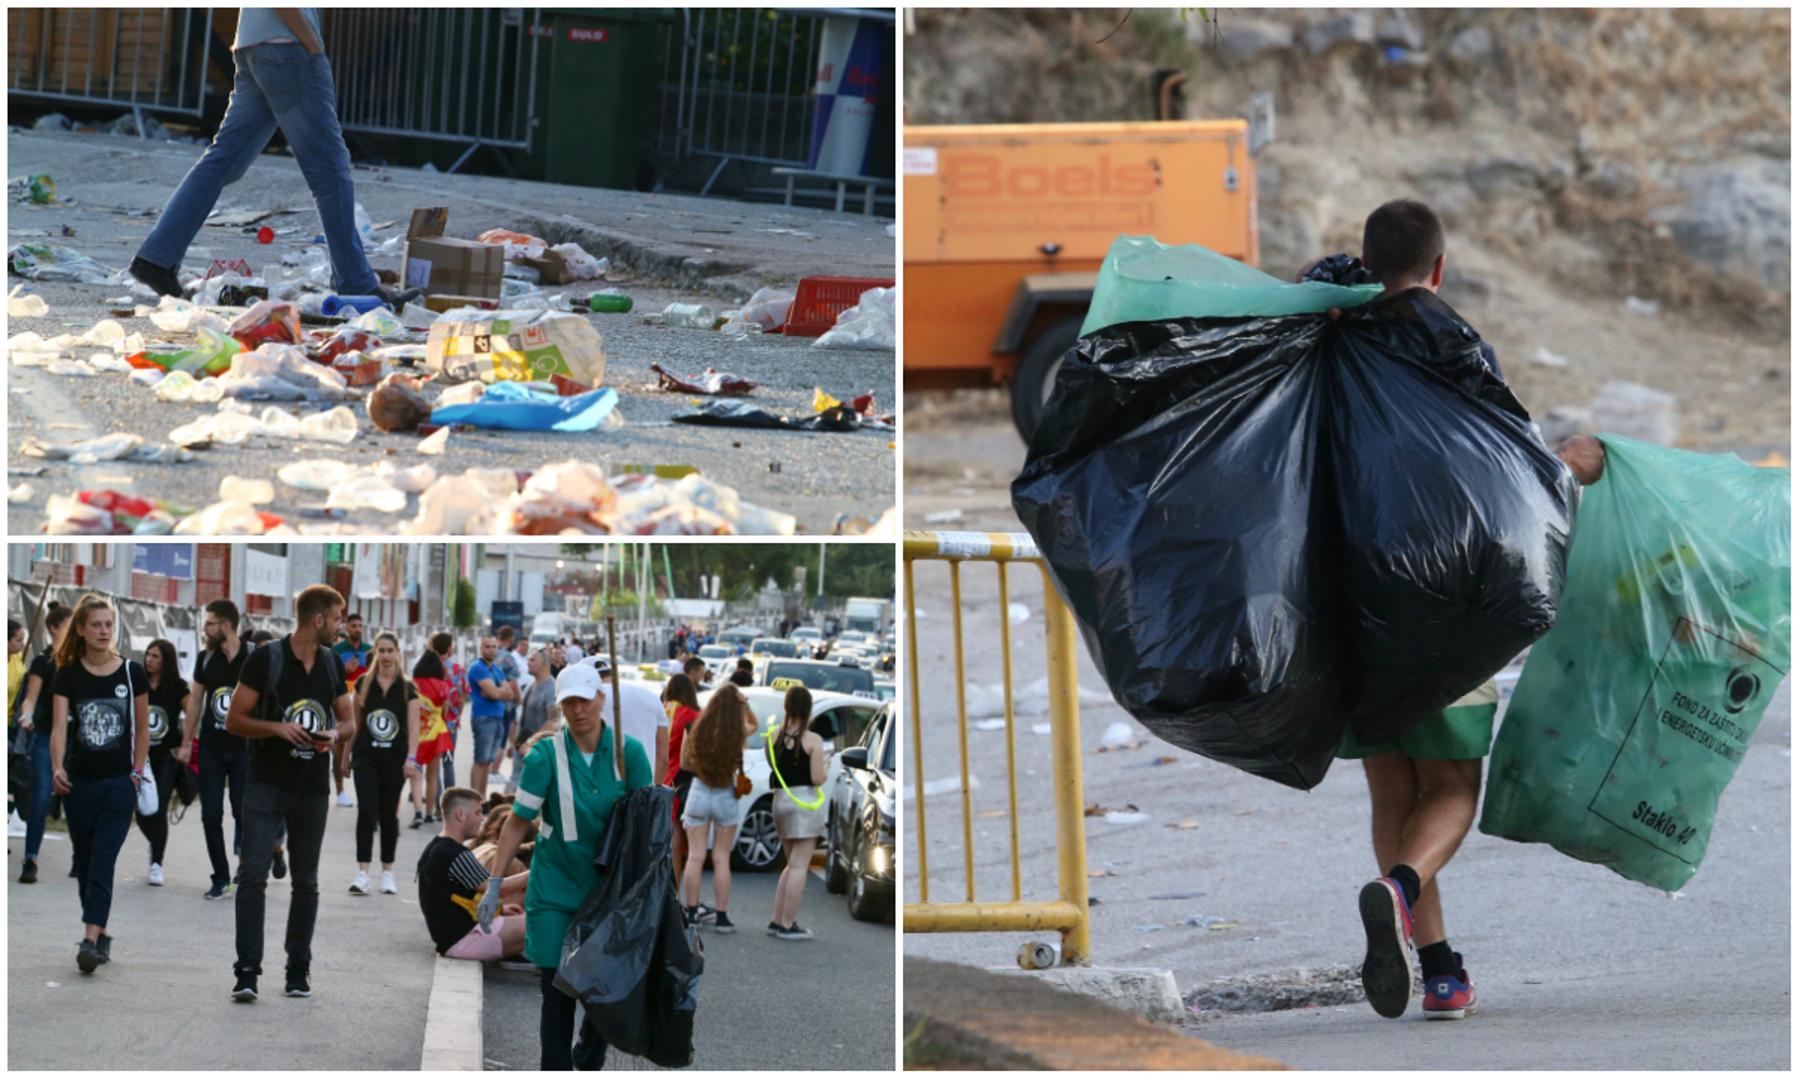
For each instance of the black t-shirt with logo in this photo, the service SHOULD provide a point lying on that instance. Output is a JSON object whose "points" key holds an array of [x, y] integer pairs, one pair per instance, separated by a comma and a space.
{"points": [[451, 883], [167, 703], [218, 677], [382, 732], [303, 697], [101, 715]]}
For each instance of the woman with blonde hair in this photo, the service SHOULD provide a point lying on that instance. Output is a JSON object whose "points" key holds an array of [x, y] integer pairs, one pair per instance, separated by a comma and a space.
{"points": [[385, 756], [799, 807], [714, 752], [99, 740]]}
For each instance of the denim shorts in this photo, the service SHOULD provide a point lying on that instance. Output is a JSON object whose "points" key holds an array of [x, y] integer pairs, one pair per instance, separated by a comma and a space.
{"points": [[490, 738], [706, 804]]}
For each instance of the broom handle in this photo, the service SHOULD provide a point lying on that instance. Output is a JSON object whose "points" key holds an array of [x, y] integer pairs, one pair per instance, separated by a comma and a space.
{"points": [[612, 650]]}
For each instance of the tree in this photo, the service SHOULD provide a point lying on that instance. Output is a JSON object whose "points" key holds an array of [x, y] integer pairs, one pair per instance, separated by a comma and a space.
{"points": [[462, 605]]}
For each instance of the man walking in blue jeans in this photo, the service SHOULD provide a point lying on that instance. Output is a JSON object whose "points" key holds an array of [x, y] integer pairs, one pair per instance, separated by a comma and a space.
{"points": [[283, 80]]}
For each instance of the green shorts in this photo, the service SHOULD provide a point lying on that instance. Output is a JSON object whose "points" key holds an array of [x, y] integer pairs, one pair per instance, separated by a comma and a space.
{"points": [[1462, 732]]}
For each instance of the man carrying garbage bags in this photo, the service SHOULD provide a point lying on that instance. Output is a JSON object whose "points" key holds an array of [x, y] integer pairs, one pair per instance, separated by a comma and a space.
{"points": [[1412, 539]]}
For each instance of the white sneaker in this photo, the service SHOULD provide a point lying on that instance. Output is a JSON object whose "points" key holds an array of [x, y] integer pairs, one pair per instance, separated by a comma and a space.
{"points": [[387, 882], [344, 799], [15, 825], [156, 874], [360, 886]]}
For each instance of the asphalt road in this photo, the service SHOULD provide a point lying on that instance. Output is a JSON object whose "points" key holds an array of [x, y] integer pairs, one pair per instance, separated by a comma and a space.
{"points": [[1576, 967], [677, 248], [765, 1004]]}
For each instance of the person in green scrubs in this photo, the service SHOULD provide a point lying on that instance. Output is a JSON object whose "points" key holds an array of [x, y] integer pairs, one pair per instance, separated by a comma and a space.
{"points": [[570, 781]]}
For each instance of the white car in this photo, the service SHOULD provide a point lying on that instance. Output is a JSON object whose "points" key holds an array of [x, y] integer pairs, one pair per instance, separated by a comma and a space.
{"points": [[720, 661], [811, 637], [840, 718]]}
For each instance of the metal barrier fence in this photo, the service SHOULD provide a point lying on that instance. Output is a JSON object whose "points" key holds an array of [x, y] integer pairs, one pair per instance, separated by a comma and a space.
{"points": [[455, 74], [1067, 914], [738, 86], [135, 58]]}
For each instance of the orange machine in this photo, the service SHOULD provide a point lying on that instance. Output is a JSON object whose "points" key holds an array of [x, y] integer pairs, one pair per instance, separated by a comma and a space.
{"points": [[1006, 224]]}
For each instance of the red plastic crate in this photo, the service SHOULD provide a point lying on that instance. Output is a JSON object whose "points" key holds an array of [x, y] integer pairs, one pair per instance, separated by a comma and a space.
{"points": [[820, 300]]}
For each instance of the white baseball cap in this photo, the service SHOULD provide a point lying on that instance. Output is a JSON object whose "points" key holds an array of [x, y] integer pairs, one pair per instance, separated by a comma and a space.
{"points": [[578, 681]]}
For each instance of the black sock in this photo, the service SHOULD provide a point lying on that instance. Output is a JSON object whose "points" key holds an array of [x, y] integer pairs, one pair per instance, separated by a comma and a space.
{"points": [[1437, 960], [1409, 882]]}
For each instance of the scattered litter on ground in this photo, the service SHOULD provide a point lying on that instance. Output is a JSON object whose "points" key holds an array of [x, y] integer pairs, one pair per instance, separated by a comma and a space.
{"points": [[1033, 699], [40, 260], [765, 312], [1041, 729], [234, 423], [500, 346], [690, 317], [989, 725], [281, 373], [948, 784], [228, 518], [943, 517], [1119, 736], [1210, 922], [1017, 613], [398, 404], [240, 489], [119, 446], [435, 443], [1638, 306], [1185, 825], [742, 414], [711, 381], [511, 406]]}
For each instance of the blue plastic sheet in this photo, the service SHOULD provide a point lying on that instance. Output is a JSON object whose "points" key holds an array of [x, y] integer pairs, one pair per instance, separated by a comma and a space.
{"points": [[509, 406]]}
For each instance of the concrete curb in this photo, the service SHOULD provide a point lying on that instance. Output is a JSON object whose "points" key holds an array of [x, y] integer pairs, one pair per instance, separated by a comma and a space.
{"points": [[453, 1018], [1149, 992], [959, 1018]]}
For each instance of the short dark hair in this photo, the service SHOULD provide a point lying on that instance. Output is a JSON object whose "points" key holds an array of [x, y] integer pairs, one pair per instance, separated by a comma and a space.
{"points": [[691, 663], [505, 634], [226, 610], [441, 641], [13, 626], [455, 797], [316, 600], [354, 616], [1401, 241], [744, 664]]}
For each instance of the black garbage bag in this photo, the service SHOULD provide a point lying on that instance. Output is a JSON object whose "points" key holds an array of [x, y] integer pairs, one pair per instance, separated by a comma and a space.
{"points": [[1269, 528], [630, 958]]}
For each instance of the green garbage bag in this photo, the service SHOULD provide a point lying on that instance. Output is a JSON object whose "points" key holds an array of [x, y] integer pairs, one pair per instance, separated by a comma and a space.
{"points": [[1143, 279], [1633, 713]]}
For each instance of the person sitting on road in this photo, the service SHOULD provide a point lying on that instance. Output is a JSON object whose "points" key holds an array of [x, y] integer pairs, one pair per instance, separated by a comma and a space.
{"points": [[1424, 788], [451, 880], [714, 752]]}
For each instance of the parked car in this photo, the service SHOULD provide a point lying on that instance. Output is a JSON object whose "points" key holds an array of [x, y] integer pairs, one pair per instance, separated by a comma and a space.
{"points": [[859, 831], [816, 675], [808, 637], [773, 646], [884, 689], [720, 661], [738, 638], [839, 719]]}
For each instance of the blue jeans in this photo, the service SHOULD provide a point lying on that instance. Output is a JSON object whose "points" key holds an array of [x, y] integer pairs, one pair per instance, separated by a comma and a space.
{"points": [[490, 738], [275, 86], [40, 796]]}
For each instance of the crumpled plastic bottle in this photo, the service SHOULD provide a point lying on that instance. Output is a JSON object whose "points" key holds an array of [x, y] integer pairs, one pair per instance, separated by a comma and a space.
{"points": [[689, 316]]}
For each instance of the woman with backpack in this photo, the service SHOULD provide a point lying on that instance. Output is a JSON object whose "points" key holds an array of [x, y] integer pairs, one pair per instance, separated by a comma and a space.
{"points": [[435, 737], [99, 741], [168, 699], [714, 752], [385, 755], [799, 807]]}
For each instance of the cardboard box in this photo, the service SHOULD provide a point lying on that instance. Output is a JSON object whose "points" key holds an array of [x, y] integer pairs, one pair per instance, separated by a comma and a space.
{"points": [[446, 267], [447, 302], [552, 269], [521, 346]]}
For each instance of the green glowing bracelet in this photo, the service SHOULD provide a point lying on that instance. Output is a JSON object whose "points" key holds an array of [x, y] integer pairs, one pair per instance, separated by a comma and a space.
{"points": [[769, 745]]}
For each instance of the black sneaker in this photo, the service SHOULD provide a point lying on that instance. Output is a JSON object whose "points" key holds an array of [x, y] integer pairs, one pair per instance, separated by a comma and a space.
{"points": [[418, 819], [245, 990], [279, 867], [28, 872], [722, 924], [703, 913], [794, 932], [88, 958], [775, 928], [296, 985], [160, 279], [397, 299], [219, 891], [104, 948]]}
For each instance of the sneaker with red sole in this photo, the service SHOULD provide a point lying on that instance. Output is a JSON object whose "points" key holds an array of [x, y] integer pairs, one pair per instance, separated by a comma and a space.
{"points": [[1387, 970], [1449, 997]]}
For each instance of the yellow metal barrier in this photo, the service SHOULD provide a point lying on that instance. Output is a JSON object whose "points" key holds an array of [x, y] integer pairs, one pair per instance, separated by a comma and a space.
{"points": [[1067, 914]]}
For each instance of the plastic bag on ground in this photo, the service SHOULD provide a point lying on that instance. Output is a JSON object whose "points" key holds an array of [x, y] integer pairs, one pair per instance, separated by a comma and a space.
{"points": [[119, 446], [268, 321], [765, 312], [745, 415], [630, 958], [1409, 540], [585, 267], [516, 346], [211, 354], [1633, 714], [868, 325], [518, 245], [282, 373], [711, 381], [513, 407], [40, 260]]}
